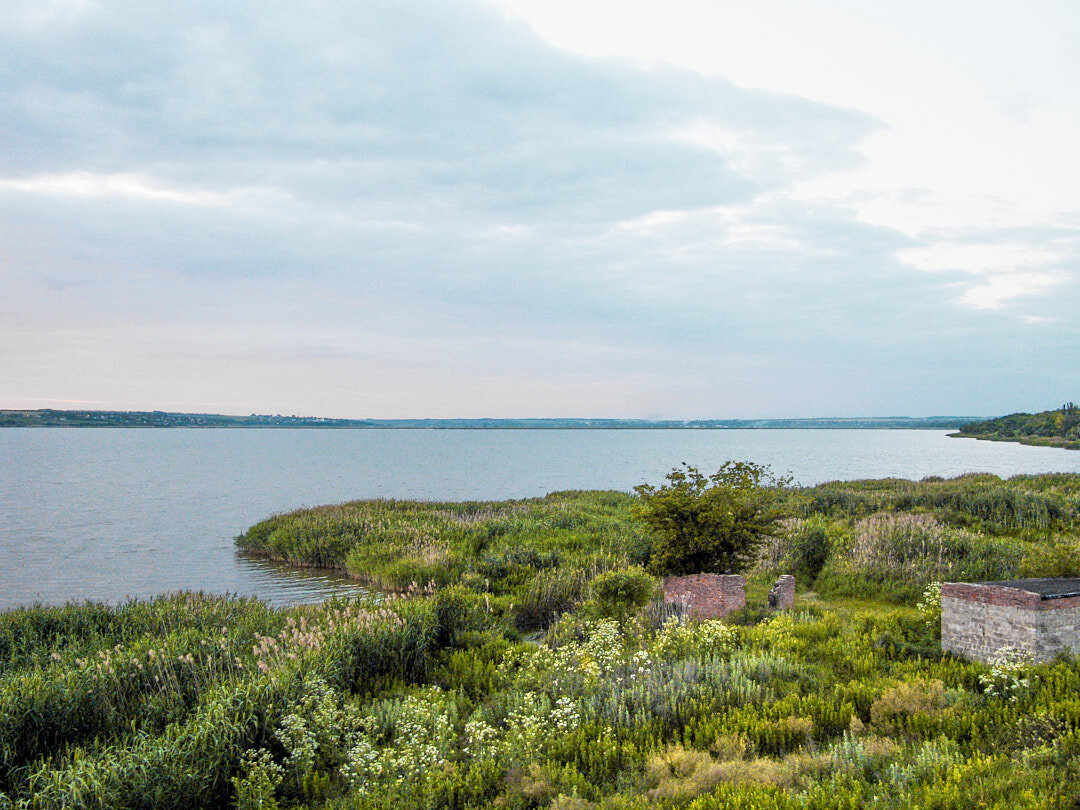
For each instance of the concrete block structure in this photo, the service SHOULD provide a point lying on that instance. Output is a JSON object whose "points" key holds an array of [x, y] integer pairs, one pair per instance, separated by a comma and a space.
{"points": [[707, 596], [1039, 618]]}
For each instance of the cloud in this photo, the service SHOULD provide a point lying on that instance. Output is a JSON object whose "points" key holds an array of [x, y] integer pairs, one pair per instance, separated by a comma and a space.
{"points": [[1004, 270], [87, 184], [997, 289], [449, 117], [978, 258], [401, 191]]}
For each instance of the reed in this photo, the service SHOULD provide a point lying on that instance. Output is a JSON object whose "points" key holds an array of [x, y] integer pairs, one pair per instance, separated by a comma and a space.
{"points": [[430, 698]]}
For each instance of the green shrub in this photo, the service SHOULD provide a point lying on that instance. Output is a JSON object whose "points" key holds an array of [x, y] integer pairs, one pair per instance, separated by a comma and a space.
{"points": [[1056, 557], [715, 523], [622, 593], [678, 773], [899, 703]]}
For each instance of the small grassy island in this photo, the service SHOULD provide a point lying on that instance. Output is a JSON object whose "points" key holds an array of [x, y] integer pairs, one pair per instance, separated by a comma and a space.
{"points": [[1058, 428], [521, 660]]}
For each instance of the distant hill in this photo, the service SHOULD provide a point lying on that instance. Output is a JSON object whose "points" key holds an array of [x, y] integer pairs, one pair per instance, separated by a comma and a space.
{"points": [[1058, 428], [163, 419]]}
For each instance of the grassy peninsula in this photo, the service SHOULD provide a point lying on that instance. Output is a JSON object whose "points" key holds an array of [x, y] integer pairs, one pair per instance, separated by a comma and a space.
{"points": [[1057, 428], [520, 667]]}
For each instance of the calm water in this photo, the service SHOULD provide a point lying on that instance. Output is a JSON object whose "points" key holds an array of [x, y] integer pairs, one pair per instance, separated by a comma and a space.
{"points": [[112, 513]]}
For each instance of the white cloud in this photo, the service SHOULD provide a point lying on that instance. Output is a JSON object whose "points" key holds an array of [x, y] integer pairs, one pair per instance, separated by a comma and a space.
{"points": [[1005, 271], [997, 289], [135, 186], [978, 108], [402, 191], [978, 258]]}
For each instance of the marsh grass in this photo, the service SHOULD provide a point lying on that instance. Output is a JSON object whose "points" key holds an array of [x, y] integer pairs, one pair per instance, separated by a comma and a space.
{"points": [[429, 699], [358, 704], [527, 548], [159, 712], [890, 538]]}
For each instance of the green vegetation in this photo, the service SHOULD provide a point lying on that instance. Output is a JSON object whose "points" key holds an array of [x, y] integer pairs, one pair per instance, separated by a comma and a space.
{"points": [[714, 523], [534, 557], [880, 538], [1059, 428], [433, 699]]}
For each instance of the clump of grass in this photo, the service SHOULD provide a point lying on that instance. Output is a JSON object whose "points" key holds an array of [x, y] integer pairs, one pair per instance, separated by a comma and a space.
{"points": [[890, 538], [548, 595], [899, 553], [501, 545]]}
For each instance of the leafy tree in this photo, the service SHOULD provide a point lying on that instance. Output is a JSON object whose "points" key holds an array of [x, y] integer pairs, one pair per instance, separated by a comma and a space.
{"points": [[710, 523]]}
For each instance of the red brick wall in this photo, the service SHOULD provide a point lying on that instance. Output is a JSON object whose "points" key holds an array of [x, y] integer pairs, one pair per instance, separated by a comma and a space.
{"points": [[707, 596]]}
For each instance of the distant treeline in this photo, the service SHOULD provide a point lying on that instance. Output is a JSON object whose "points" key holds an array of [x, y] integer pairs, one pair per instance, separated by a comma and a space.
{"points": [[162, 419], [1057, 428]]}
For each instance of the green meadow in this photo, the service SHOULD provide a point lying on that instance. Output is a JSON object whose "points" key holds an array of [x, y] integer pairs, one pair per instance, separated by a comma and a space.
{"points": [[516, 657]]}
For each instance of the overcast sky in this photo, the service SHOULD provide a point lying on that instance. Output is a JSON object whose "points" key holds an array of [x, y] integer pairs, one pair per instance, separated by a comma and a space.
{"points": [[527, 208]]}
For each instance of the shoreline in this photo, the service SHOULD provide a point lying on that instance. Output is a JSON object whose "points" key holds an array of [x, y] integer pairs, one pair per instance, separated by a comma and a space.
{"points": [[1030, 441]]}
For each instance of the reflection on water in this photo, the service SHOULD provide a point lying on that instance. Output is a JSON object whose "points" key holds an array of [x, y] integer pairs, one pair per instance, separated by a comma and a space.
{"points": [[284, 584], [115, 513]]}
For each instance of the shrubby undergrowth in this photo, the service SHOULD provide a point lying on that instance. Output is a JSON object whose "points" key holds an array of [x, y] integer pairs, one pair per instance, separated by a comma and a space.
{"points": [[433, 699], [890, 538]]}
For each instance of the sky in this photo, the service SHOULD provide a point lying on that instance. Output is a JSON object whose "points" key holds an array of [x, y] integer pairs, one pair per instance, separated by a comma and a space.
{"points": [[540, 208]]}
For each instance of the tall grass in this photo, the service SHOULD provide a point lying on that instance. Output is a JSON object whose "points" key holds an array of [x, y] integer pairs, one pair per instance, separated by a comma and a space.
{"points": [[896, 554], [1034, 505], [889, 538], [430, 699], [495, 547], [152, 704]]}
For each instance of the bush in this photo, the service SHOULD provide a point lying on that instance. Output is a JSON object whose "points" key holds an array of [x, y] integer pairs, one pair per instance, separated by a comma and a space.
{"points": [[1058, 557], [905, 700], [620, 594], [715, 523]]}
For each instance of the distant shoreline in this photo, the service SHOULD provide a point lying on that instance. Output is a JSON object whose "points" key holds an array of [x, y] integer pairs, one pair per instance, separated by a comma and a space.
{"points": [[48, 418], [1031, 441], [1057, 428]]}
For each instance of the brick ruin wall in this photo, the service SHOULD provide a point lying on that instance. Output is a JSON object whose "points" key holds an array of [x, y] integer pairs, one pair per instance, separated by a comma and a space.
{"points": [[782, 595], [978, 621], [707, 596]]}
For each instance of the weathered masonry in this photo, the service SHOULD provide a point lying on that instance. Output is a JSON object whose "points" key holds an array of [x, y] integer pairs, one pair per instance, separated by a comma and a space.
{"points": [[711, 596], [707, 596], [1038, 618], [782, 595]]}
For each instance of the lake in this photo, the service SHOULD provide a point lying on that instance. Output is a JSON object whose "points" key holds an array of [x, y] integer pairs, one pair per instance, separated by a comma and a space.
{"points": [[107, 514]]}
